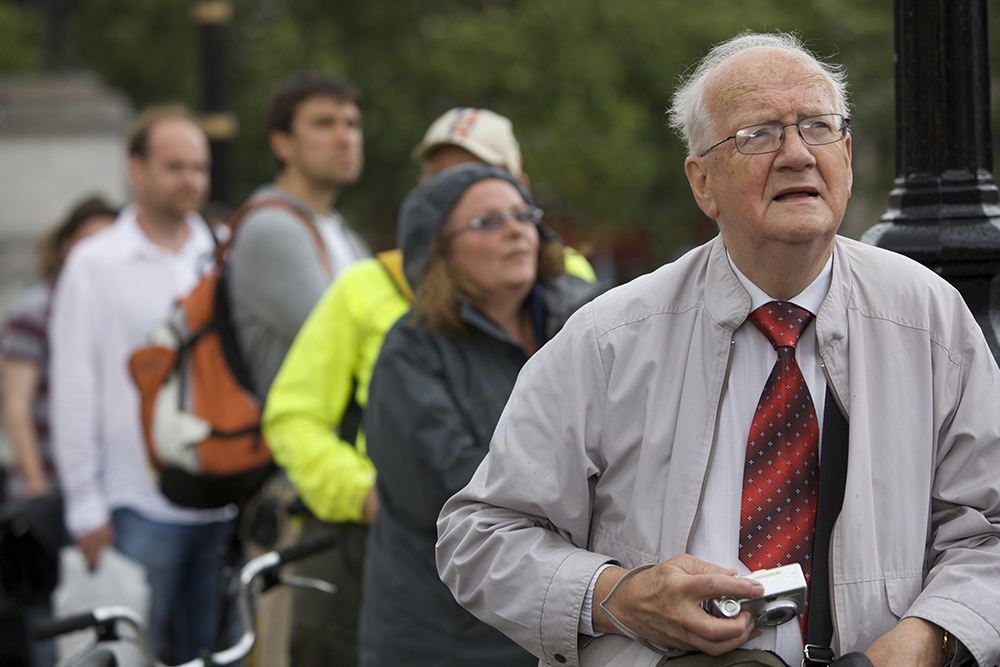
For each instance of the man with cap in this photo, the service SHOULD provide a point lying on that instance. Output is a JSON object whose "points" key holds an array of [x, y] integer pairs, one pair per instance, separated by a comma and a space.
{"points": [[313, 410], [467, 134]]}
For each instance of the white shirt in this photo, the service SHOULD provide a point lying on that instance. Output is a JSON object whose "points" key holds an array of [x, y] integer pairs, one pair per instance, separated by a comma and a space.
{"points": [[716, 534], [115, 288], [340, 249]]}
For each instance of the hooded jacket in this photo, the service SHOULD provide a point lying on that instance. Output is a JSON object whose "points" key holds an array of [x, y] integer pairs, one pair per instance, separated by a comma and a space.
{"points": [[433, 403]]}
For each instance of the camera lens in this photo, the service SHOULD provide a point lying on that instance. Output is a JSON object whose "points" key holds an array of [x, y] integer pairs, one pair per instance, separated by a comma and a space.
{"points": [[776, 613]]}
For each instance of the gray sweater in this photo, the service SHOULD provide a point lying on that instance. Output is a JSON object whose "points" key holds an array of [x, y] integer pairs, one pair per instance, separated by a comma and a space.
{"points": [[275, 278]]}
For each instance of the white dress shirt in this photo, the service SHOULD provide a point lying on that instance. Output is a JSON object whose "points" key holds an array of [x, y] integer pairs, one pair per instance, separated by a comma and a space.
{"points": [[115, 287], [716, 534]]}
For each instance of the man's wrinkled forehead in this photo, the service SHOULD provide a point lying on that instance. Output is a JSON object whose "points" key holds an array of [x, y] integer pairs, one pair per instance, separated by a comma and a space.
{"points": [[752, 84]]}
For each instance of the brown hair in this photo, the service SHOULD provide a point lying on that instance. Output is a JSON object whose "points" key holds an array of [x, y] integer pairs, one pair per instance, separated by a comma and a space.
{"points": [[436, 304], [51, 251], [142, 126], [286, 97]]}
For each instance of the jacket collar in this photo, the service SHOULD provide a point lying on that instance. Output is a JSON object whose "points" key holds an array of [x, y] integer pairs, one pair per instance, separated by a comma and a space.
{"points": [[726, 300], [831, 325], [557, 298], [728, 303], [474, 317]]}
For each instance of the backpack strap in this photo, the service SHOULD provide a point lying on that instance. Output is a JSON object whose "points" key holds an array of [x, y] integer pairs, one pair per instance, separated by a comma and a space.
{"points": [[392, 262], [274, 202]]}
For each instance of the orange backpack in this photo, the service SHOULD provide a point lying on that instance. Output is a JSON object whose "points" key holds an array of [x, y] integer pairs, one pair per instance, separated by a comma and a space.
{"points": [[200, 420]]}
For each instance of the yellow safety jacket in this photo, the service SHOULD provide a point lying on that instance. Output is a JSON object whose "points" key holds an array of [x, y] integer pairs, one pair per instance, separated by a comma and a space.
{"points": [[332, 355]]}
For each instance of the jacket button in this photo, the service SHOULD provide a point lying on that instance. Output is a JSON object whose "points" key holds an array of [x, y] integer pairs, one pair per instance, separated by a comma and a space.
{"points": [[560, 658]]}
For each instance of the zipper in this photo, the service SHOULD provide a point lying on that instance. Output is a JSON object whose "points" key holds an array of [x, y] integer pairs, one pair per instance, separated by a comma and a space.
{"points": [[711, 451]]}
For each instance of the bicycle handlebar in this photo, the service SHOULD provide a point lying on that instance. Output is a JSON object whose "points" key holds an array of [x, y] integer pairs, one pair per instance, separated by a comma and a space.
{"points": [[97, 616], [267, 562], [307, 547], [62, 626]]}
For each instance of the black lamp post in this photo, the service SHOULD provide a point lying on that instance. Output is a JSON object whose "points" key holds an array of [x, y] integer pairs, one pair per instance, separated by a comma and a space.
{"points": [[219, 123], [945, 208]]}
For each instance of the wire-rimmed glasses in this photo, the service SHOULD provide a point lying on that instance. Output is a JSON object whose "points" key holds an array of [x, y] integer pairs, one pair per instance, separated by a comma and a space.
{"points": [[828, 128]]}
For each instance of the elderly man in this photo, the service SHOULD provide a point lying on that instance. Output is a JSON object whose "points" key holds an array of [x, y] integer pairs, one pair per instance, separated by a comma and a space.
{"points": [[639, 465]]}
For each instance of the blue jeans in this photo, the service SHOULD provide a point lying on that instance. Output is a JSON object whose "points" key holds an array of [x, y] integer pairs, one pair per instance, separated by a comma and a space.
{"points": [[184, 565]]}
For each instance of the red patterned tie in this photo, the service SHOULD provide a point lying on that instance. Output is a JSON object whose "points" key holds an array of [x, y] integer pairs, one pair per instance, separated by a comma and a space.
{"points": [[781, 476]]}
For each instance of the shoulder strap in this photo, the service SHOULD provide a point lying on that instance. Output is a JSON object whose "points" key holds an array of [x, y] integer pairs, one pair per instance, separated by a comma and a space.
{"points": [[274, 202], [833, 475], [392, 262], [350, 423]]}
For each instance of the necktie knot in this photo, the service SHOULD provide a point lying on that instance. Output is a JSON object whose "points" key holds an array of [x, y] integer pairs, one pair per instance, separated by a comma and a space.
{"points": [[781, 322]]}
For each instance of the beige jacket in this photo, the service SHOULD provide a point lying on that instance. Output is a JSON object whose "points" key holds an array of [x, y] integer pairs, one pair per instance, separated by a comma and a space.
{"points": [[604, 447]]}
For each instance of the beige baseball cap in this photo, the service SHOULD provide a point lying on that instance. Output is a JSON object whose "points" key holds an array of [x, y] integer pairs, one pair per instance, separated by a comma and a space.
{"points": [[487, 135]]}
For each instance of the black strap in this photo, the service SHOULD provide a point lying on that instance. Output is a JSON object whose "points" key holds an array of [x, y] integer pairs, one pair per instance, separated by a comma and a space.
{"points": [[350, 423], [223, 324], [833, 475]]}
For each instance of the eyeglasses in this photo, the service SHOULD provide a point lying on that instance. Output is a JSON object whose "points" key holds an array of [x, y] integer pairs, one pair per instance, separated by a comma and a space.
{"points": [[495, 220], [819, 130]]}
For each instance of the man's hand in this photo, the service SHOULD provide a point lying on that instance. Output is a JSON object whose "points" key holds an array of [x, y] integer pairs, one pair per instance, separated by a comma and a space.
{"points": [[93, 543], [663, 604], [37, 486], [370, 508], [914, 642]]}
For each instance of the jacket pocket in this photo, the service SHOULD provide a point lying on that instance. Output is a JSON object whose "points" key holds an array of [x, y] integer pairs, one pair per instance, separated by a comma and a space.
{"points": [[901, 592]]}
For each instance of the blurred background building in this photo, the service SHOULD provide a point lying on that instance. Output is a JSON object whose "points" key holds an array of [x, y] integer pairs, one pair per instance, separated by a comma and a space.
{"points": [[61, 139]]}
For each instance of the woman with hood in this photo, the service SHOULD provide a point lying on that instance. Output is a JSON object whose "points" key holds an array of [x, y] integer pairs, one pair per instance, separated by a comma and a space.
{"points": [[490, 290]]}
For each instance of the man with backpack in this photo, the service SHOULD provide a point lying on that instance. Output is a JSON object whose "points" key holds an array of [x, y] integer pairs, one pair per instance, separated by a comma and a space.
{"points": [[115, 287], [280, 263]]}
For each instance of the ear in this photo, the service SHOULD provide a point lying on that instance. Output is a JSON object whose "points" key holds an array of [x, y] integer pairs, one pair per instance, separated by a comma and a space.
{"points": [[700, 182], [849, 158], [136, 166], [280, 144]]}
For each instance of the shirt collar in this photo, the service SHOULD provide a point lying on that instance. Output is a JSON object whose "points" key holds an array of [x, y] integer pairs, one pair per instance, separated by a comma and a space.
{"points": [[811, 298], [135, 244]]}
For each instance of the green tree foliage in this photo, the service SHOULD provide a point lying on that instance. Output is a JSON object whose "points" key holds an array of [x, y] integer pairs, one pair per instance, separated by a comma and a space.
{"points": [[586, 83], [148, 48], [21, 38]]}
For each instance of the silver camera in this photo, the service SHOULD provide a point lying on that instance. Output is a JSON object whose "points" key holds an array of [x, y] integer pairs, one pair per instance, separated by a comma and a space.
{"points": [[784, 597]]}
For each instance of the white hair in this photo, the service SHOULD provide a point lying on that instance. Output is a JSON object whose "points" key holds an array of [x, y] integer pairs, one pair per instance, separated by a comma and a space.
{"points": [[689, 115]]}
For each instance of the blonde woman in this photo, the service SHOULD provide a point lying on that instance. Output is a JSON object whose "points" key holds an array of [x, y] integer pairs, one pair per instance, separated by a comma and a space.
{"points": [[490, 290]]}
